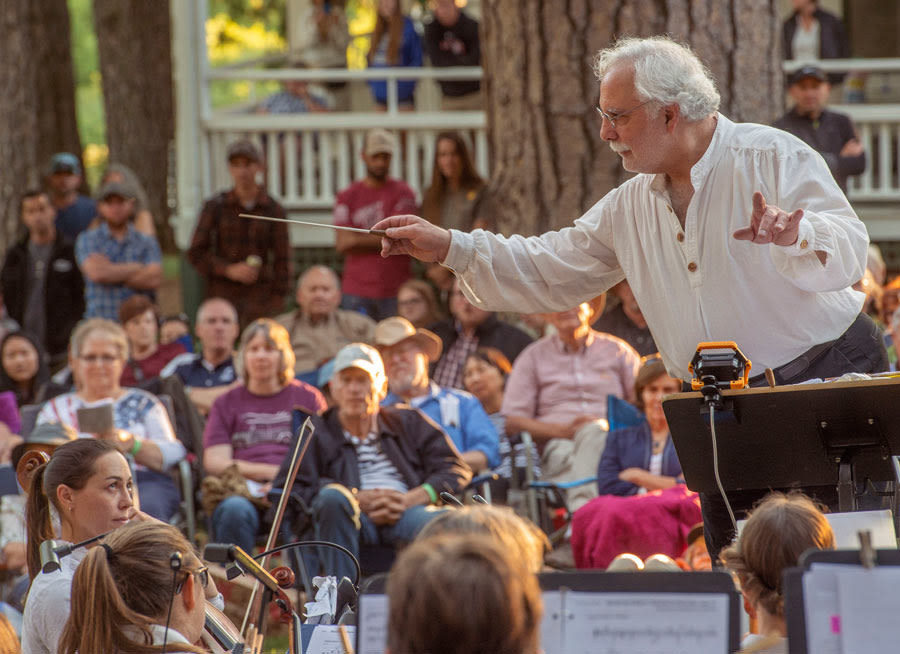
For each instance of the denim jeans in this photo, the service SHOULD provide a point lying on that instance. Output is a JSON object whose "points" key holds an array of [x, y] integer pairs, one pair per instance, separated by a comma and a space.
{"points": [[338, 519], [236, 521], [377, 308]]}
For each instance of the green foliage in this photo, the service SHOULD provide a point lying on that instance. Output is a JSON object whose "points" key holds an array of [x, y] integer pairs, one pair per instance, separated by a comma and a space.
{"points": [[88, 89]]}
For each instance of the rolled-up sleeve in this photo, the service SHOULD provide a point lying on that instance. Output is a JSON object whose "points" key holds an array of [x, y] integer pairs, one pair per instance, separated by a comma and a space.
{"points": [[159, 430]]}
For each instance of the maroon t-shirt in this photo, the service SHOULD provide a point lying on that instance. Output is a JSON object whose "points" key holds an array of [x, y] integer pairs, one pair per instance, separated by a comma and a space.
{"points": [[368, 274], [151, 366]]}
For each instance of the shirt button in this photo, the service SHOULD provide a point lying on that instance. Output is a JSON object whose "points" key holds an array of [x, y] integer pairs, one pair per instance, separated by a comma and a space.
{"points": [[680, 237], [669, 208], [692, 267], [804, 244]]}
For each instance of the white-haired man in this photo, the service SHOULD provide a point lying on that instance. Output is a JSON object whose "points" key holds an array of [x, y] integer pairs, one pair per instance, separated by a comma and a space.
{"points": [[705, 253]]}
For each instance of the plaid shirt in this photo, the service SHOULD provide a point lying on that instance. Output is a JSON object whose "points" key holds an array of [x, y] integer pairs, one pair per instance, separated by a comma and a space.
{"points": [[103, 300], [449, 369], [221, 239]]}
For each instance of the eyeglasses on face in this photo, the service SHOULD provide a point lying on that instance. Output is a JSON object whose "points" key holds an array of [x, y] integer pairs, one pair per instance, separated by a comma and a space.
{"points": [[202, 574], [105, 359], [614, 117]]}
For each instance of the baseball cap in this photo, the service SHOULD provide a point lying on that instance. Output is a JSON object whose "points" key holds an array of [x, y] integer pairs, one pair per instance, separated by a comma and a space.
{"points": [[243, 148], [805, 72], [362, 356], [65, 162], [380, 141], [117, 189], [392, 331]]}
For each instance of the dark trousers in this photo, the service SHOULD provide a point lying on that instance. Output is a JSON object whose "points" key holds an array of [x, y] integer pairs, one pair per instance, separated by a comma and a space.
{"points": [[859, 349]]}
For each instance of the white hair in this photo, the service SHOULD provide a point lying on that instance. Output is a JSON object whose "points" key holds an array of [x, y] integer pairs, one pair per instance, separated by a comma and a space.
{"points": [[664, 71]]}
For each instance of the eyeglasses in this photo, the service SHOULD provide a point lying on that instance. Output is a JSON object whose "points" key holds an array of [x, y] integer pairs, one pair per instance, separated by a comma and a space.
{"points": [[612, 118], [202, 574], [105, 359]]}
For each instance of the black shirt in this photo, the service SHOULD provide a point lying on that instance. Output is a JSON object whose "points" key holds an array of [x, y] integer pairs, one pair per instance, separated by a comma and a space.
{"points": [[457, 45]]}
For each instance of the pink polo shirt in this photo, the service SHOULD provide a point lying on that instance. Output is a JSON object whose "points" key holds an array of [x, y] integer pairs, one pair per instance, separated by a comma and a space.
{"points": [[549, 384]]}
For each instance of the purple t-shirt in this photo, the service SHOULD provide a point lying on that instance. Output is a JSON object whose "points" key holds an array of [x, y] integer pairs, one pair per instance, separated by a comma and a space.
{"points": [[258, 427]]}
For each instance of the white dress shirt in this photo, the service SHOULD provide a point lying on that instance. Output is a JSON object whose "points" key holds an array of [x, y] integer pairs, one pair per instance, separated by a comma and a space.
{"points": [[698, 283]]}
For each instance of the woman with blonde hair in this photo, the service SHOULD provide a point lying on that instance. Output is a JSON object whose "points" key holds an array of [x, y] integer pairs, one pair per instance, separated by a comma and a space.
{"points": [[250, 427], [777, 532], [142, 590]]}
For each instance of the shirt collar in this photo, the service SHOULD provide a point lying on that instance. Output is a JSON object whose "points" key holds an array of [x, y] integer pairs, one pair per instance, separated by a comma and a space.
{"points": [[210, 367], [558, 342], [261, 198], [104, 230], [700, 170]]}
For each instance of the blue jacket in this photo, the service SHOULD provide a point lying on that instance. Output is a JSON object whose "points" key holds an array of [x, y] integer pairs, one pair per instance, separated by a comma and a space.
{"points": [[410, 55], [461, 415], [629, 447]]}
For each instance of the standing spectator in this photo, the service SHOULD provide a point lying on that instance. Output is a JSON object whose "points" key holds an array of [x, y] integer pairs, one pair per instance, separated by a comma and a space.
{"points": [[395, 43], [247, 262], [811, 33], [139, 319], [451, 39], [370, 281], [209, 373], [74, 212], [557, 391], [250, 426], [318, 328], [417, 302], [41, 281], [141, 218], [829, 133], [469, 328], [625, 320], [326, 45], [456, 187], [117, 260], [406, 352]]}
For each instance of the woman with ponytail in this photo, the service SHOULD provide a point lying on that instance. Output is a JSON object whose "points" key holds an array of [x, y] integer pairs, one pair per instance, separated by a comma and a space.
{"points": [[143, 579], [88, 483]]}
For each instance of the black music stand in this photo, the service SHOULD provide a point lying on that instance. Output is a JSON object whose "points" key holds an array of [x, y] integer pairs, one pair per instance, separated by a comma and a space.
{"points": [[831, 434]]}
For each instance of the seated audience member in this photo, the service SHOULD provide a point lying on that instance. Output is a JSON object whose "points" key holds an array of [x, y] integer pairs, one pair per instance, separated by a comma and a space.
{"points": [[74, 212], [209, 373], [501, 524], [696, 556], [126, 596], [297, 96], [644, 507], [23, 368], [777, 532], [557, 391], [318, 328], [372, 474], [141, 218], [138, 318], [250, 427], [625, 320], [469, 328], [116, 260], [417, 302], [395, 43], [462, 594], [484, 376], [88, 482], [141, 426], [40, 279], [176, 328], [456, 187], [406, 352]]}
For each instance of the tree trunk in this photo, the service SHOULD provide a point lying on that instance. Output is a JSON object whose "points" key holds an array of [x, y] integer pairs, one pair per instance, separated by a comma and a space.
{"points": [[134, 42], [548, 161], [18, 121], [51, 49]]}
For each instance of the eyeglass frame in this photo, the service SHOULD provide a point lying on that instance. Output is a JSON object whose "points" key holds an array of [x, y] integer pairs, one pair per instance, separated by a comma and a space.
{"points": [[202, 572], [613, 117]]}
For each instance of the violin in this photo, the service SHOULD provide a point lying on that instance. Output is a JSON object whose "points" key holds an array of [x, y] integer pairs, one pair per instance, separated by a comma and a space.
{"points": [[220, 635]]}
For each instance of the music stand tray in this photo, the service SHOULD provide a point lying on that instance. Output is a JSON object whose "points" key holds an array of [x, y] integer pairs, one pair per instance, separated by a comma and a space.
{"points": [[825, 434]]}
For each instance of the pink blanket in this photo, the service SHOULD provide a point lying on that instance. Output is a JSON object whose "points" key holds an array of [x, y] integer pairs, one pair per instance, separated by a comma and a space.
{"points": [[655, 523]]}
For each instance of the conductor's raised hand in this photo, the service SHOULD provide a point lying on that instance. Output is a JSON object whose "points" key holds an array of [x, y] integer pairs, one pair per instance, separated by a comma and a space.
{"points": [[414, 236], [769, 224]]}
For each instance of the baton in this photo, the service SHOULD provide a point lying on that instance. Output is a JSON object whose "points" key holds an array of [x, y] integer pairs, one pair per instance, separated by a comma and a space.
{"points": [[374, 232]]}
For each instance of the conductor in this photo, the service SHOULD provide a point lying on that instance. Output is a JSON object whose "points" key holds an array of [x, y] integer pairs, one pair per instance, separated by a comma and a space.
{"points": [[729, 231]]}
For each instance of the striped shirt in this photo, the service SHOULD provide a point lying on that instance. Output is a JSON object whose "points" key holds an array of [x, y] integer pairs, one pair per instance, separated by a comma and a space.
{"points": [[375, 468]]}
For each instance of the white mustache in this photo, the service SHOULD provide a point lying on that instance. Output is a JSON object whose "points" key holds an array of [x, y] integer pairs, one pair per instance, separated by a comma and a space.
{"points": [[617, 147]]}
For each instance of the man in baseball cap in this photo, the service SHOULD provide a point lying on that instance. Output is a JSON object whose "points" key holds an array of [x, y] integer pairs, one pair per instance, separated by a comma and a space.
{"points": [[372, 474], [74, 212], [830, 133], [407, 353]]}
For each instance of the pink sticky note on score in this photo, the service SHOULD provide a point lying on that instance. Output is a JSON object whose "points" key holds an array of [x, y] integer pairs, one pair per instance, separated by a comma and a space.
{"points": [[835, 624]]}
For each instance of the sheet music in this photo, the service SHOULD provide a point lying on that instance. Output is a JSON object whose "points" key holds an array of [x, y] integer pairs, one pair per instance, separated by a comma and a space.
{"points": [[869, 601], [552, 623], [820, 606], [326, 639], [373, 623], [646, 623]]}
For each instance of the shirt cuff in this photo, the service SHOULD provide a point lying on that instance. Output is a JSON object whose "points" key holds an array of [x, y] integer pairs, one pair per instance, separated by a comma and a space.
{"points": [[460, 253], [806, 240]]}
